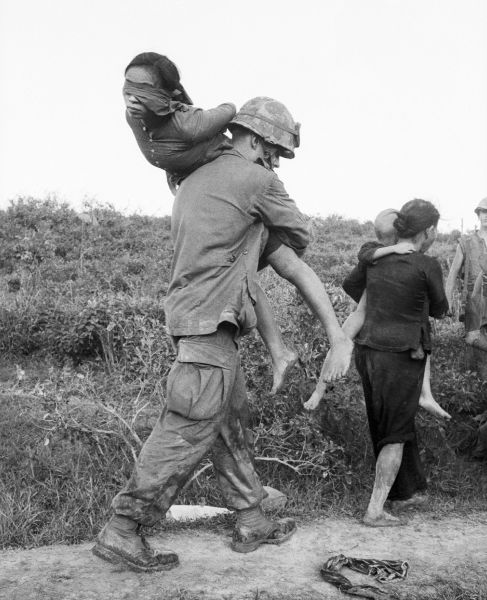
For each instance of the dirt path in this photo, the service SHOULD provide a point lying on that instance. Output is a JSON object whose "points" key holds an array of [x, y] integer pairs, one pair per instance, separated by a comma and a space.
{"points": [[450, 549]]}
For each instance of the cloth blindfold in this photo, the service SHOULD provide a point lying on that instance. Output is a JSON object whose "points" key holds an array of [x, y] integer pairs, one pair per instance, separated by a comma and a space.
{"points": [[156, 100]]}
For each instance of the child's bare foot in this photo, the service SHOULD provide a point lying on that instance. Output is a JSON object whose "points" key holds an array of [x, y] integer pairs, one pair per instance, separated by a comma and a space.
{"points": [[383, 519], [337, 360], [315, 398], [429, 404], [281, 368]]}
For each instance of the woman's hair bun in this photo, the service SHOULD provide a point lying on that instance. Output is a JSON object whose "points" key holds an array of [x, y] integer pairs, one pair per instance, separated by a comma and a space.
{"points": [[415, 216]]}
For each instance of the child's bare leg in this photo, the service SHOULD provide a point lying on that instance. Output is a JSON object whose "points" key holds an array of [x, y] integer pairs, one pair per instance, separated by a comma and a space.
{"points": [[426, 399], [282, 358], [288, 265], [386, 469]]}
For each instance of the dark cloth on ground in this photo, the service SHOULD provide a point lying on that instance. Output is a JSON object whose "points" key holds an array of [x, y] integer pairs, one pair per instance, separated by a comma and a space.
{"points": [[382, 570], [392, 384], [401, 291], [214, 268], [206, 410]]}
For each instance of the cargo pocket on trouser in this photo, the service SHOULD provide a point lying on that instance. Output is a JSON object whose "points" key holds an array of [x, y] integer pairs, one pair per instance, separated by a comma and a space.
{"points": [[198, 384]]}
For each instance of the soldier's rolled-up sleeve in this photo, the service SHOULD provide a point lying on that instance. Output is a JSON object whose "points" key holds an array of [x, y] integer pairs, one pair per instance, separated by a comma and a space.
{"points": [[279, 212], [197, 125]]}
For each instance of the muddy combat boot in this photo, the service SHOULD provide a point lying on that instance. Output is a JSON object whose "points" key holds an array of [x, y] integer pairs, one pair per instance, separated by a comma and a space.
{"points": [[254, 529], [120, 543]]}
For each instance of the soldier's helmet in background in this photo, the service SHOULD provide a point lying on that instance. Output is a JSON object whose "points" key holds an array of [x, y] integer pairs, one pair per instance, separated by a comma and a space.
{"points": [[481, 206]]}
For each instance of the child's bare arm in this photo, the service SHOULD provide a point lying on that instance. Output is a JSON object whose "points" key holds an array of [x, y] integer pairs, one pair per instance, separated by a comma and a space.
{"points": [[355, 321], [400, 248]]}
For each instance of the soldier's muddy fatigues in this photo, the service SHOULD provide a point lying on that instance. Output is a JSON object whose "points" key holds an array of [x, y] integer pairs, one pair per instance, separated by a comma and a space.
{"points": [[218, 220], [206, 409]]}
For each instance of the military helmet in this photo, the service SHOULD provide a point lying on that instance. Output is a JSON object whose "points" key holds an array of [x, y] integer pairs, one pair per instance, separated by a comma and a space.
{"points": [[481, 206], [270, 120]]}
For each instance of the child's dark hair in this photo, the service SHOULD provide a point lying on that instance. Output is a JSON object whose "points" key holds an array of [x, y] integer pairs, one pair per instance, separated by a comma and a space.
{"points": [[161, 66], [416, 216]]}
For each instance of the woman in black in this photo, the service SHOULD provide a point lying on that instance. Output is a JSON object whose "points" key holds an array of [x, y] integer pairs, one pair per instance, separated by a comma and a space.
{"points": [[401, 291]]}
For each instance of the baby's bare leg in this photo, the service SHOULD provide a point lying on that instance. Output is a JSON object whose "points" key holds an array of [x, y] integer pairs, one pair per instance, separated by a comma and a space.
{"points": [[282, 358], [426, 399], [314, 400], [288, 265]]}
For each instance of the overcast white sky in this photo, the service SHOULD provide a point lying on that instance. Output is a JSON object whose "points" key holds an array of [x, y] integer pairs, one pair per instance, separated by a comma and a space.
{"points": [[391, 94]]}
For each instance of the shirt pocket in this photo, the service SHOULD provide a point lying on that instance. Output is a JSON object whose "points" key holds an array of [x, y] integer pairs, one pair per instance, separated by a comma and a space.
{"points": [[198, 383]]}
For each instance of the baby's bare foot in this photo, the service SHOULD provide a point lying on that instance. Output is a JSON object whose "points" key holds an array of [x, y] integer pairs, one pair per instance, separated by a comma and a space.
{"points": [[315, 398], [281, 369], [337, 360], [431, 405]]}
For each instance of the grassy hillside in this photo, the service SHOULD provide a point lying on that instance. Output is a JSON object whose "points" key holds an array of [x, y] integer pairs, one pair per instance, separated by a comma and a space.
{"points": [[85, 356]]}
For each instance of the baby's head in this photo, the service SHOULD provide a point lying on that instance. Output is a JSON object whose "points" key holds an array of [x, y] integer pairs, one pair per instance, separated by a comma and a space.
{"points": [[384, 227]]}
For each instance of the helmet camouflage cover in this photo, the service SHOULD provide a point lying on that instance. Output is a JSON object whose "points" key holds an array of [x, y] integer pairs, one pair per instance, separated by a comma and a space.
{"points": [[272, 121]]}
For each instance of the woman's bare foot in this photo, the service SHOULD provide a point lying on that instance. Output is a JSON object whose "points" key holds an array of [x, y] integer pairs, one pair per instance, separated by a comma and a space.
{"points": [[337, 360], [477, 339], [281, 368], [429, 404], [383, 519], [416, 501]]}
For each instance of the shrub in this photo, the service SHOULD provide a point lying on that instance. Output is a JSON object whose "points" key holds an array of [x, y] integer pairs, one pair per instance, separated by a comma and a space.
{"points": [[89, 300]]}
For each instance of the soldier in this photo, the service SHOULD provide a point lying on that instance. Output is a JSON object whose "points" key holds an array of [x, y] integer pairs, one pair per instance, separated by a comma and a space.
{"points": [[471, 256], [219, 217], [177, 137]]}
